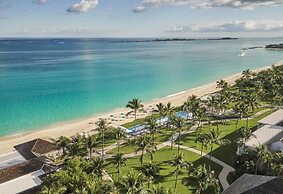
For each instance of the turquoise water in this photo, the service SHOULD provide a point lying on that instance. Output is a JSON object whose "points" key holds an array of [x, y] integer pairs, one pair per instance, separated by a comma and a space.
{"points": [[46, 81]]}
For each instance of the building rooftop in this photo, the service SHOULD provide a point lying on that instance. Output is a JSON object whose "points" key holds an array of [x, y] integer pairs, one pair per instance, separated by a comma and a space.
{"points": [[273, 119], [18, 170], [266, 134], [32, 149], [24, 183], [255, 184]]}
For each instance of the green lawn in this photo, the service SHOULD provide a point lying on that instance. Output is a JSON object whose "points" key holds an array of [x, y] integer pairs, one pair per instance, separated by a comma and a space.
{"points": [[106, 143], [160, 137], [162, 158], [225, 153]]}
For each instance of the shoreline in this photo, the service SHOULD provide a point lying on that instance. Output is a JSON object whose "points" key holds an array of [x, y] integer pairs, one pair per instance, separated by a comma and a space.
{"points": [[73, 127]]}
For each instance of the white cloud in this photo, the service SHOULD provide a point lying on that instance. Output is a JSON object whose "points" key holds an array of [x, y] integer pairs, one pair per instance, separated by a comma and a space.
{"points": [[241, 4], [234, 26], [139, 9], [83, 6], [40, 2]]}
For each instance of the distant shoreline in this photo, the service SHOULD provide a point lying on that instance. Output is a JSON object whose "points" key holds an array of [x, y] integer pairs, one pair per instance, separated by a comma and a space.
{"points": [[172, 40], [86, 125]]}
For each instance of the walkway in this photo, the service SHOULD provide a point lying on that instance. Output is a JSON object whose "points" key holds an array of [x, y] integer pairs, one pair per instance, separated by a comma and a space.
{"points": [[226, 168]]}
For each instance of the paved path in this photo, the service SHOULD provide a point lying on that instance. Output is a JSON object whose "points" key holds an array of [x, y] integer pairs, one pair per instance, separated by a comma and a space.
{"points": [[226, 168], [259, 113]]}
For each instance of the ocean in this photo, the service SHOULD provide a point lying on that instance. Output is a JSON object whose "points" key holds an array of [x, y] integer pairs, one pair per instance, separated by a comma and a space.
{"points": [[49, 81]]}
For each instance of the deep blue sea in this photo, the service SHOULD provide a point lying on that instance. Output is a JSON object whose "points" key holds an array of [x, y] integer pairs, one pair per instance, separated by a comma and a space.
{"points": [[47, 81]]}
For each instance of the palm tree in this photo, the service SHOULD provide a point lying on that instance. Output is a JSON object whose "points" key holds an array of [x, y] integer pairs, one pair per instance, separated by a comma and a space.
{"points": [[97, 165], [179, 123], [200, 115], [102, 126], [168, 112], [192, 104], [168, 108], [252, 102], [222, 103], [152, 126], [145, 144], [277, 164], [62, 142], [211, 103], [91, 142], [214, 137], [76, 149], [247, 74], [203, 139], [244, 135], [178, 163], [132, 183], [222, 84], [264, 156], [120, 135], [78, 139], [135, 104], [205, 178], [53, 190], [241, 109], [159, 189], [161, 109], [97, 186], [150, 171], [118, 160]]}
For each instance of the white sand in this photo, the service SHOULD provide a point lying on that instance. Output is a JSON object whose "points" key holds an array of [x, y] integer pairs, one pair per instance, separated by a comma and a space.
{"points": [[74, 127]]}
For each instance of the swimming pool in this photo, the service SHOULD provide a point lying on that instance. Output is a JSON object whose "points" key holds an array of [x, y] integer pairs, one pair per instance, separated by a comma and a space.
{"points": [[136, 129], [184, 115]]}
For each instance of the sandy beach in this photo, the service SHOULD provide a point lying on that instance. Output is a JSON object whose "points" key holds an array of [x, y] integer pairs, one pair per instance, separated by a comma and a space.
{"points": [[86, 125]]}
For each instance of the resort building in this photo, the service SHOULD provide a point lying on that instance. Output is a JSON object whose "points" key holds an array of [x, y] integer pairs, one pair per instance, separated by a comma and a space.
{"points": [[269, 133], [24, 166], [255, 184], [275, 118]]}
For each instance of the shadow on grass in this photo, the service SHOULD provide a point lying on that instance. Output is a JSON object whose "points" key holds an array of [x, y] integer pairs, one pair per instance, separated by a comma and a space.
{"points": [[192, 184], [227, 153]]}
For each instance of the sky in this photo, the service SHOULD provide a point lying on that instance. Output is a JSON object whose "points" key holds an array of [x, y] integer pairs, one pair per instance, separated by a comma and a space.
{"points": [[141, 18]]}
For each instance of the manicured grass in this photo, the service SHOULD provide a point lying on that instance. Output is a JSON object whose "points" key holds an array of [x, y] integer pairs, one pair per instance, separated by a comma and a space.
{"points": [[106, 143], [126, 149], [225, 153], [162, 158]]}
